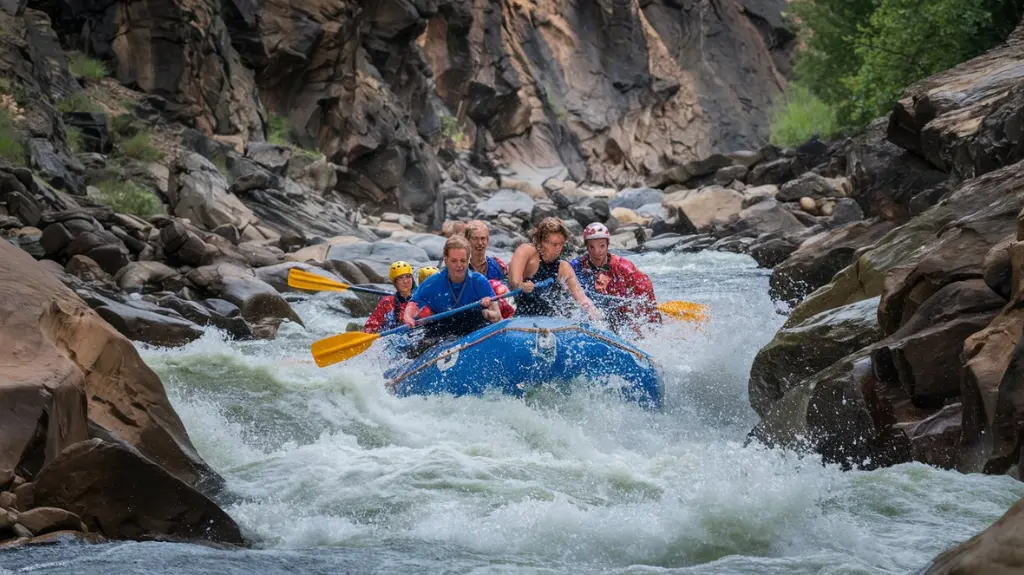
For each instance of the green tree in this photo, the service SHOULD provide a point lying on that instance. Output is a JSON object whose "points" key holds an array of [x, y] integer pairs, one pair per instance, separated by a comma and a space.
{"points": [[907, 40], [828, 29], [859, 55]]}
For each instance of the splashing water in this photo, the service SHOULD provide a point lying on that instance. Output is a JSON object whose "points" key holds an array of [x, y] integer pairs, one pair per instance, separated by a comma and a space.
{"points": [[333, 474]]}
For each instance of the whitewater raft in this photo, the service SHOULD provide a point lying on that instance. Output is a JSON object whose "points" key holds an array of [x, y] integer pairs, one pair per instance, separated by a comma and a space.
{"points": [[519, 354]]}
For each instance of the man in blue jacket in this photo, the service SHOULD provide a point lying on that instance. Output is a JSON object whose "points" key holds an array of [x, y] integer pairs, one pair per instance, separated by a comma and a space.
{"points": [[454, 286]]}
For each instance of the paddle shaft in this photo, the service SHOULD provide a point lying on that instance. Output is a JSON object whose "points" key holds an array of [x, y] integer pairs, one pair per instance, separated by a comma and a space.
{"points": [[370, 290], [469, 306], [623, 300]]}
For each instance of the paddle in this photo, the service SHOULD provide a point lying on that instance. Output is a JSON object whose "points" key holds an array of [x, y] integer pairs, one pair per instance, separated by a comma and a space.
{"points": [[677, 309], [331, 350], [302, 279]]}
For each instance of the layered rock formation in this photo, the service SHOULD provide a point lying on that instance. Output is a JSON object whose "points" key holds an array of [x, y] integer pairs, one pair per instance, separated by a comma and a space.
{"points": [[608, 92], [919, 361]]}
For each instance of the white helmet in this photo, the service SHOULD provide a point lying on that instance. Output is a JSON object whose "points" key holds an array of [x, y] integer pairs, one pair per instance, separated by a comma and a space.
{"points": [[596, 231]]}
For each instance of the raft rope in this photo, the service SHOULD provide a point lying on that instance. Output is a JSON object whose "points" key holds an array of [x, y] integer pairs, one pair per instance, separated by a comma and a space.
{"points": [[542, 330]]}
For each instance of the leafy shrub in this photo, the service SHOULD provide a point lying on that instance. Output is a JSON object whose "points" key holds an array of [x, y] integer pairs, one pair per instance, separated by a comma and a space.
{"points": [[800, 116]]}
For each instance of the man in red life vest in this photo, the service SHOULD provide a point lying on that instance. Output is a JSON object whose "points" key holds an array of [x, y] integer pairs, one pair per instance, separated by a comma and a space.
{"points": [[388, 313], [603, 274]]}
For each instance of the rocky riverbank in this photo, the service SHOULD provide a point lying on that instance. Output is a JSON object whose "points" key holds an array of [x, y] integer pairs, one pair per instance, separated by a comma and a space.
{"points": [[905, 342]]}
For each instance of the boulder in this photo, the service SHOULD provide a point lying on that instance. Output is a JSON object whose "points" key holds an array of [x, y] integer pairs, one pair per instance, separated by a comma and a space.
{"points": [[993, 410], [958, 119], [271, 156], [213, 312], [998, 550], [198, 191], [799, 351], [69, 367], [982, 209], [634, 198], [770, 250], [136, 277], [256, 299], [182, 244], [818, 258], [812, 185], [146, 325], [432, 244], [957, 254], [768, 216], [277, 275], [120, 493], [46, 519], [383, 252], [923, 355], [996, 268], [707, 207], [840, 413], [935, 440], [509, 202], [773, 172], [888, 181]]}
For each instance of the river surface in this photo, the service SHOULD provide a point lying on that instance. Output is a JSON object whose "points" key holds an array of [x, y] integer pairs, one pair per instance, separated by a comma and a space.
{"points": [[334, 475]]}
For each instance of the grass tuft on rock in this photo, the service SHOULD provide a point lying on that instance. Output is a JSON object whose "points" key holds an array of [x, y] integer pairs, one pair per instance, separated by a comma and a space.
{"points": [[129, 198], [86, 67], [140, 147], [11, 149]]}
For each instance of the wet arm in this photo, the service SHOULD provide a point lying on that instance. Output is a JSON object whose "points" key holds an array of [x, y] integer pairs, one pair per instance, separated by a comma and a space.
{"points": [[517, 265], [568, 277]]}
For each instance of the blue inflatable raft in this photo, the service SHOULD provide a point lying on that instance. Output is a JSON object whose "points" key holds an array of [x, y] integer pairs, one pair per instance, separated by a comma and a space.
{"points": [[522, 353]]}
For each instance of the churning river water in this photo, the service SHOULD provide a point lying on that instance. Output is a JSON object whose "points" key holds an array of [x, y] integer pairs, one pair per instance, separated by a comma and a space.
{"points": [[331, 474]]}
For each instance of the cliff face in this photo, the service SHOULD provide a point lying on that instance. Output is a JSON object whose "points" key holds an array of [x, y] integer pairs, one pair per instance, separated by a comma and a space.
{"points": [[610, 91]]}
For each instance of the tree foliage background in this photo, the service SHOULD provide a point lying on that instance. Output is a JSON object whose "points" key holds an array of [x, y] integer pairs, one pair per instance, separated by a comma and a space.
{"points": [[859, 55]]}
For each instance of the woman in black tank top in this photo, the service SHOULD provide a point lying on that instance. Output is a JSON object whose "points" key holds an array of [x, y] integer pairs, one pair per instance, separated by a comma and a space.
{"points": [[549, 238], [550, 301]]}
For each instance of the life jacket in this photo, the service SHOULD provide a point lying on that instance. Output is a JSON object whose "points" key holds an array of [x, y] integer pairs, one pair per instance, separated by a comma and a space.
{"points": [[618, 277], [546, 302], [507, 306], [387, 314], [496, 269]]}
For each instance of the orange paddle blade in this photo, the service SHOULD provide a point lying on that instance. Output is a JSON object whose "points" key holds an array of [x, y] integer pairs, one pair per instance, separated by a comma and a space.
{"points": [[301, 279], [336, 348], [685, 311]]}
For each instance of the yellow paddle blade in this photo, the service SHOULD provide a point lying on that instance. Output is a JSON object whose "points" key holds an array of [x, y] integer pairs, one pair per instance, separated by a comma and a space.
{"points": [[301, 279], [685, 310], [331, 350]]}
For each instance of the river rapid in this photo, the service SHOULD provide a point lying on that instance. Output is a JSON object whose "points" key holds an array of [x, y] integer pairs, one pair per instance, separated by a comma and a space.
{"points": [[331, 474]]}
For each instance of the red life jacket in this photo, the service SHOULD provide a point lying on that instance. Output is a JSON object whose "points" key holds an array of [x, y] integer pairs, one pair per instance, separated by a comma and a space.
{"points": [[621, 278], [386, 315], [507, 306]]}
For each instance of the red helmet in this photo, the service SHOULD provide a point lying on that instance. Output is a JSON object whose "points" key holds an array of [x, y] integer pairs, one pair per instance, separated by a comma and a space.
{"points": [[596, 231]]}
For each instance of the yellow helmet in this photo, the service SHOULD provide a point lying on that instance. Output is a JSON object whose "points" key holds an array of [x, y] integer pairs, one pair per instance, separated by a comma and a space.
{"points": [[399, 269], [426, 272]]}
